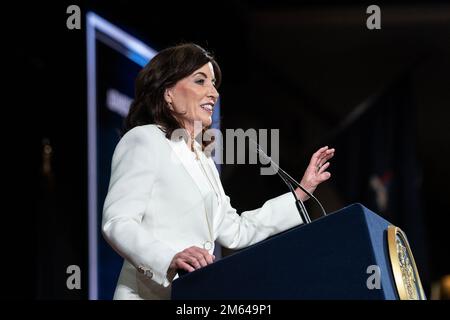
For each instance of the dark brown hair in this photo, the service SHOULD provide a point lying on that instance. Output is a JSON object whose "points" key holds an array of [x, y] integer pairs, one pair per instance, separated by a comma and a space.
{"points": [[164, 71]]}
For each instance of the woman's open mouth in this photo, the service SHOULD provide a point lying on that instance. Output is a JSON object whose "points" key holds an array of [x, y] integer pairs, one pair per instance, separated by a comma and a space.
{"points": [[208, 107]]}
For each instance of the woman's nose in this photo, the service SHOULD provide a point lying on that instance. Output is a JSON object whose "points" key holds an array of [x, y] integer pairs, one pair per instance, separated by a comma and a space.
{"points": [[213, 93]]}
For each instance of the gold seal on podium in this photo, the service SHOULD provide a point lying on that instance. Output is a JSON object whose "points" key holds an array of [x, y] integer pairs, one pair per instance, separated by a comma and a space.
{"points": [[403, 266]]}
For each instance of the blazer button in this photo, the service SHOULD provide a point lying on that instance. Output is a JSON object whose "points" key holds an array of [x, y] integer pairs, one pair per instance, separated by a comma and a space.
{"points": [[148, 273], [145, 271], [207, 245]]}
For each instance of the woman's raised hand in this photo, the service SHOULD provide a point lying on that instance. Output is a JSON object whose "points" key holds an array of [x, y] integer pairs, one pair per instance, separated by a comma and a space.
{"points": [[316, 172]]}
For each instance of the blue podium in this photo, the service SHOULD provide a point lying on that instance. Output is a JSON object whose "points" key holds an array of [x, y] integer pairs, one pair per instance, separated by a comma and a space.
{"points": [[344, 255]]}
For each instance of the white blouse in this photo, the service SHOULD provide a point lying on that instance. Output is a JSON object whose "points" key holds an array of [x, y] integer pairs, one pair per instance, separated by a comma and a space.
{"points": [[201, 160]]}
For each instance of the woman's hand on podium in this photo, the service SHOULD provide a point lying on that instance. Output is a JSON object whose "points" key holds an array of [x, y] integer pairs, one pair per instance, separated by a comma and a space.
{"points": [[316, 172], [190, 259]]}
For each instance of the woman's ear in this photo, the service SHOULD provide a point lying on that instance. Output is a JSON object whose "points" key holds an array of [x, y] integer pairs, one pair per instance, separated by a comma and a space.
{"points": [[168, 98]]}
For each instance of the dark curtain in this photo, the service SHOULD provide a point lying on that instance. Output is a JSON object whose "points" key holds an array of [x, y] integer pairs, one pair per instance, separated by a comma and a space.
{"points": [[378, 165]]}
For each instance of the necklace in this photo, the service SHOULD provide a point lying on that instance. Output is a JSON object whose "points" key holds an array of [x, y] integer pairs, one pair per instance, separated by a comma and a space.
{"points": [[193, 147]]}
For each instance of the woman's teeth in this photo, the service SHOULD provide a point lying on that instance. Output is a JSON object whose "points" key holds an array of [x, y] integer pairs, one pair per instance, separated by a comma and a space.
{"points": [[207, 107]]}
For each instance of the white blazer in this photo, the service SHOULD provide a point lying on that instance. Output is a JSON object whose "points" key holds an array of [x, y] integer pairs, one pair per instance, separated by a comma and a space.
{"points": [[159, 203]]}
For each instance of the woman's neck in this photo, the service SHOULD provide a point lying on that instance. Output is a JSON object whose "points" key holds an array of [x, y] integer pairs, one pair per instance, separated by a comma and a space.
{"points": [[192, 131]]}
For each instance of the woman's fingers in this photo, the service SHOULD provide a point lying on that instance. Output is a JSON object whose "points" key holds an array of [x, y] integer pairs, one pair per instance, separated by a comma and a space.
{"points": [[201, 260], [191, 259], [324, 157], [321, 152], [203, 255], [323, 168], [209, 258], [197, 257], [317, 155], [183, 265], [316, 172], [183, 261]]}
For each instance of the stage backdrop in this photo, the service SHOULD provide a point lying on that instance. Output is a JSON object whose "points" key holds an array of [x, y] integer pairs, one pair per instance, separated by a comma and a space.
{"points": [[381, 167]]}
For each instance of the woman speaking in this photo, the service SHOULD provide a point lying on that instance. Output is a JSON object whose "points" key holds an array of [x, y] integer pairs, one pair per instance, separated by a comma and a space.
{"points": [[166, 206]]}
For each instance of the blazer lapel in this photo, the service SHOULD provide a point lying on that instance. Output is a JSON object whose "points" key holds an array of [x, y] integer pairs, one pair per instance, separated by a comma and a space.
{"points": [[182, 154]]}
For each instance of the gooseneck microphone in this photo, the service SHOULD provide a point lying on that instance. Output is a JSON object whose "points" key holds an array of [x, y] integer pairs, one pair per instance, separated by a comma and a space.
{"points": [[289, 181], [298, 203]]}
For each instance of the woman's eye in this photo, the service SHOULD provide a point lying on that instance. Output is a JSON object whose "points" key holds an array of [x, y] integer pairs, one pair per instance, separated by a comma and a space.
{"points": [[200, 81]]}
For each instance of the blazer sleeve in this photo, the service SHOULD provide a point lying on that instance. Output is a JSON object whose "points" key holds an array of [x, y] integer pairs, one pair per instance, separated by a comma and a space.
{"points": [[238, 231], [133, 173]]}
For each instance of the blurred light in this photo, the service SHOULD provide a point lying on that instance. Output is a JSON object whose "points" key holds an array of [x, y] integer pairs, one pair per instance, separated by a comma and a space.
{"points": [[99, 29]]}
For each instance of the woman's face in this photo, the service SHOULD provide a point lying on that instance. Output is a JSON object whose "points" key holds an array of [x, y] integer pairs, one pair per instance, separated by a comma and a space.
{"points": [[194, 97]]}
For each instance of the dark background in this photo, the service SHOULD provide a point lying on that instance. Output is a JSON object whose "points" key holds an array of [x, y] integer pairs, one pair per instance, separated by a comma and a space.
{"points": [[302, 67]]}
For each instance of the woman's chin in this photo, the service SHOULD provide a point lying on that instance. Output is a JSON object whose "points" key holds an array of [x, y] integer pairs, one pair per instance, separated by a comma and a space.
{"points": [[206, 122]]}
